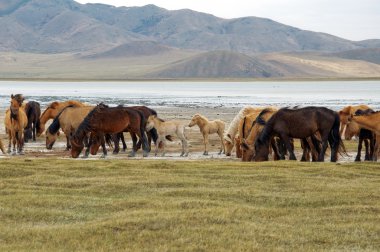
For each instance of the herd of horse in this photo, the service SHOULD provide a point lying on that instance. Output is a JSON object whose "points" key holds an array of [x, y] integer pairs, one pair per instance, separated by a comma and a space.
{"points": [[255, 133]]}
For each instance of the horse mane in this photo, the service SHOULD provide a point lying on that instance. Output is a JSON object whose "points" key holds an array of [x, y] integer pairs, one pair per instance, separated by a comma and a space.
{"points": [[259, 119], [234, 125], [55, 125], [361, 112], [85, 125], [201, 116]]}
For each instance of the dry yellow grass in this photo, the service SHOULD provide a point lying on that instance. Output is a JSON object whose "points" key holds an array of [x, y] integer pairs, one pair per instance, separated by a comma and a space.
{"points": [[55, 204]]}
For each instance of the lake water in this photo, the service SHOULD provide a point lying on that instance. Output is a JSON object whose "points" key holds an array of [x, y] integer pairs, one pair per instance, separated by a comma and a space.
{"points": [[332, 94]]}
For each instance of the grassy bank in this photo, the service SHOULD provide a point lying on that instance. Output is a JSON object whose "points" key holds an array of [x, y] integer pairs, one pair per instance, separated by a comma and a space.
{"points": [[50, 204]]}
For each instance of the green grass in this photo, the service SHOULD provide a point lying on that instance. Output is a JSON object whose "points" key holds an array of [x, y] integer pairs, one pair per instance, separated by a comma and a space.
{"points": [[52, 204]]}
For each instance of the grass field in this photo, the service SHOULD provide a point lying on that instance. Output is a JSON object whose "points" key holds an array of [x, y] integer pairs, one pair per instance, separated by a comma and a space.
{"points": [[55, 204]]}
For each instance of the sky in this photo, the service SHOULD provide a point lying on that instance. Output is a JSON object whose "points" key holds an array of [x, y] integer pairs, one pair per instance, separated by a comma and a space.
{"points": [[349, 19]]}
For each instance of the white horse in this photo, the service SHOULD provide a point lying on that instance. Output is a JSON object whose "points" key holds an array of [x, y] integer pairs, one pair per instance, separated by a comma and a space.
{"points": [[165, 128]]}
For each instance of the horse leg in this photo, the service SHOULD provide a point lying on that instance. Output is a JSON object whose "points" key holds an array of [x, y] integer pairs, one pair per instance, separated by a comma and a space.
{"points": [[14, 142], [34, 129], [115, 139], [367, 151], [205, 141], [87, 142], [305, 150], [156, 146], [289, 147], [123, 142], [104, 148], [10, 141], [134, 148], [321, 157], [371, 147], [221, 144], [376, 149], [20, 142], [68, 144], [276, 152], [360, 145], [149, 135]]}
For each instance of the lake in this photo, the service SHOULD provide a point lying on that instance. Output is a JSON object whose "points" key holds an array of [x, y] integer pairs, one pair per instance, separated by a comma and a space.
{"points": [[332, 94]]}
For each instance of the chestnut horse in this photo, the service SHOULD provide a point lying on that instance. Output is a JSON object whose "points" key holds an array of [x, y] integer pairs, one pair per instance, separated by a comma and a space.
{"points": [[52, 111], [103, 119], [209, 127], [366, 136], [33, 112], [15, 123], [232, 130], [345, 114], [301, 123], [370, 122]]}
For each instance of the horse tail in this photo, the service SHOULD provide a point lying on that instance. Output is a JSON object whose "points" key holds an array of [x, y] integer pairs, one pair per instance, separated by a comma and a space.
{"points": [[335, 140], [108, 139], [153, 133], [169, 137], [55, 125], [144, 138]]}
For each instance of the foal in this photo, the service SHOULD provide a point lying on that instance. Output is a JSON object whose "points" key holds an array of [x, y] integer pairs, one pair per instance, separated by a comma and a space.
{"points": [[209, 127], [165, 128]]}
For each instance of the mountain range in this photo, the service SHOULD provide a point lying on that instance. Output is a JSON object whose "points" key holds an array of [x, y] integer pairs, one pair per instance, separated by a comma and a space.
{"points": [[190, 44]]}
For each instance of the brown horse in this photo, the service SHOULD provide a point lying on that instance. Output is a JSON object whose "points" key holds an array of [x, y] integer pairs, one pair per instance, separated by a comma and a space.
{"points": [[345, 114], [103, 119], [370, 122], [52, 111], [68, 120], [301, 123], [33, 112], [15, 123]]}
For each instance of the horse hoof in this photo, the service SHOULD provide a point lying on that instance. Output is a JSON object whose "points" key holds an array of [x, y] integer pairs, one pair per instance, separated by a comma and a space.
{"points": [[9, 151], [103, 156], [132, 154], [205, 153], [84, 156]]}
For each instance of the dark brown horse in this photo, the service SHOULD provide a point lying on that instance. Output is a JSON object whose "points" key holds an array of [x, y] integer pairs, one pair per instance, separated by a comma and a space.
{"points": [[102, 120], [33, 112], [301, 123], [366, 136]]}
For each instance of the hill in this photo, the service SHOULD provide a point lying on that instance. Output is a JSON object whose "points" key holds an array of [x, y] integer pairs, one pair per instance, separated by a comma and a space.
{"points": [[56, 26], [368, 54]]}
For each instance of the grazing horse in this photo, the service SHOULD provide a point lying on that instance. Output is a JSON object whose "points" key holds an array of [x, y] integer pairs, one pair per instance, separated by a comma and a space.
{"points": [[33, 112], [167, 128], [370, 121], [15, 123], [105, 120], [366, 136], [209, 127], [52, 111], [249, 130], [344, 116], [232, 131], [68, 120], [301, 123]]}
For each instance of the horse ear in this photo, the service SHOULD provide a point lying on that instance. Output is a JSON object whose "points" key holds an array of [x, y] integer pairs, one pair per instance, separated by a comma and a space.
{"points": [[260, 120], [12, 96], [54, 105]]}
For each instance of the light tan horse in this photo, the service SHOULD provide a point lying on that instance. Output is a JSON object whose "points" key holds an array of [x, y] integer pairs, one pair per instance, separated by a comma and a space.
{"points": [[209, 127], [345, 114], [165, 128], [68, 120], [15, 123], [370, 122], [53, 110], [232, 131]]}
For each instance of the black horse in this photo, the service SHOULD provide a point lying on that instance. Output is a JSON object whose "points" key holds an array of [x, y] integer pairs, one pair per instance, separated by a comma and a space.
{"points": [[301, 123], [366, 136], [33, 112]]}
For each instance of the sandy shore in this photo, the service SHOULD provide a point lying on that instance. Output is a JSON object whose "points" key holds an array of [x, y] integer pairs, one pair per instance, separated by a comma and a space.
{"points": [[38, 150]]}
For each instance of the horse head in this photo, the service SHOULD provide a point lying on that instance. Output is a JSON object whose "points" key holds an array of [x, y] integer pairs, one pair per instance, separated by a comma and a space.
{"points": [[261, 151], [194, 120], [228, 144], [76, 147], [16, 103]]}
